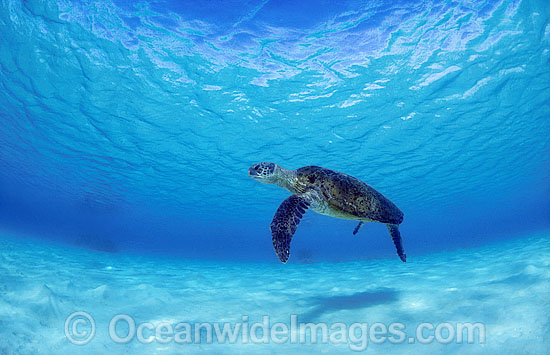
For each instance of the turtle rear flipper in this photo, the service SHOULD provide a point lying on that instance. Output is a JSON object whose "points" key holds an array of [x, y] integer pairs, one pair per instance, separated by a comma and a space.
{"points": [[358, 227], [285, 222], [396, 237]]}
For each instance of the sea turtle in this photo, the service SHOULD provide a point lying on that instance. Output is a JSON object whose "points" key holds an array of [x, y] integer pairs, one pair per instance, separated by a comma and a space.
{"points": [[326, 192]]}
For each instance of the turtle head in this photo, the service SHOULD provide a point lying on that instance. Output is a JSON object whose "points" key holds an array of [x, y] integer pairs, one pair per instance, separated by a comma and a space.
{"points": [[265, 172]]}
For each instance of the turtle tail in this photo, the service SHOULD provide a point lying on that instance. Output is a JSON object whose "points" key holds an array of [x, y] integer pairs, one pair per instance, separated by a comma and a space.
{"points": [[396, 237]]}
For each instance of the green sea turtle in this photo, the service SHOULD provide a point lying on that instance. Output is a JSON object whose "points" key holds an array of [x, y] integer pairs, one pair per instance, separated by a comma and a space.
{"points": [[326, 192]]}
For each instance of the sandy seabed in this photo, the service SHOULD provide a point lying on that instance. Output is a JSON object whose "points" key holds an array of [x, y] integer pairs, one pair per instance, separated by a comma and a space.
{"points": [[505, 287]]}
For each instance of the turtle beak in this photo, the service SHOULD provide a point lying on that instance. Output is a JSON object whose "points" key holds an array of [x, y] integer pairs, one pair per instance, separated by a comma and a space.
{"points": [[252, 172]]}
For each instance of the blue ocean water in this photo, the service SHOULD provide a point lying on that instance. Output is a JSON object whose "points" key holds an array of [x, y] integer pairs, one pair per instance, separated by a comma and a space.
{"points": [[127, 129]]}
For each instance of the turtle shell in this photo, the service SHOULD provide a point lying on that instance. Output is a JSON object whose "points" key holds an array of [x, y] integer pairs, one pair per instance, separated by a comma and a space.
{"points": [[348, 197]]}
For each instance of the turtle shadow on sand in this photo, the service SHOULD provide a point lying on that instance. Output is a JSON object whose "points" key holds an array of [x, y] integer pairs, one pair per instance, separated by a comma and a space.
{"points": [[359, 300]]}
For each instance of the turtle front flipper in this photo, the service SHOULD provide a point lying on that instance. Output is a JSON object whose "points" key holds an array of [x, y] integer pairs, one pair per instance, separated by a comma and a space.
{"points": [[285, 222], [396, 237]]}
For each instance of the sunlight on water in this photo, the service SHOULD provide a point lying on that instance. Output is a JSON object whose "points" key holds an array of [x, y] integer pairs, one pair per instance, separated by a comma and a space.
{"points": [[150, 101]]}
